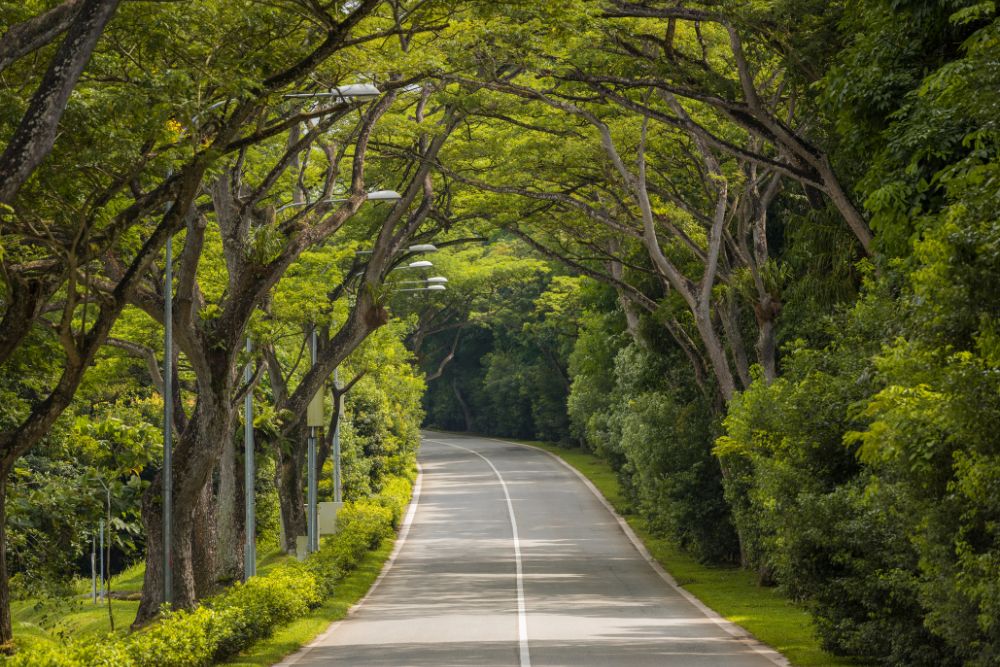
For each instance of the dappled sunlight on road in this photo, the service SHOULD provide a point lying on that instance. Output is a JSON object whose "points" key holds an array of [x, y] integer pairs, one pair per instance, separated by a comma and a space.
{"points": [[589, 597]]}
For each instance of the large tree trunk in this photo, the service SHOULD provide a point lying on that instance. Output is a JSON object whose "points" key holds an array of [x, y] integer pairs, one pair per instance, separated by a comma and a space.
{"points": [[195, 457], [152, 521], [204, 544], [291, 490], [230, 519], [767, 313]]}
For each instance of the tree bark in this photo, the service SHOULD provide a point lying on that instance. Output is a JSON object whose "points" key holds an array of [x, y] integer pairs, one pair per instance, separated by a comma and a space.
{"points": [[465, 407], [193, 551], [36, 32], [204, 543], [291, 490], [26, 298], [152, 522], [230, 519], [766, 347], [35, 136], [729, 315]]}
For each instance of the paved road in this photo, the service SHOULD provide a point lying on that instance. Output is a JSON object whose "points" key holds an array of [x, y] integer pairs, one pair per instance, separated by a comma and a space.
{"points": [[511, 560]]}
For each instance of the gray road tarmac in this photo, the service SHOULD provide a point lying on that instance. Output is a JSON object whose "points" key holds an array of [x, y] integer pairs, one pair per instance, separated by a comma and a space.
{"points": [[511, 560]]}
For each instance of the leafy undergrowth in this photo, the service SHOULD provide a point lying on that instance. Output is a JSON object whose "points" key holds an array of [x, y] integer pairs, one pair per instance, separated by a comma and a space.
{"points": [[731, 592], [244, 614], [303, 630]]}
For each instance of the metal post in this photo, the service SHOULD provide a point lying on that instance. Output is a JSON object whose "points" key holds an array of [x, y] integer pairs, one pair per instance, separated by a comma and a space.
{"points": [[336, 439], [311, 519], [93, 568], [101, 552], [311, 504], [107, 490], [250, 546], [168, 400]]}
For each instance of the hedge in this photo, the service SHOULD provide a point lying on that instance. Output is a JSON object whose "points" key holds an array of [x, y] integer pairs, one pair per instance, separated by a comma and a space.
{"points": [[246, 612]]}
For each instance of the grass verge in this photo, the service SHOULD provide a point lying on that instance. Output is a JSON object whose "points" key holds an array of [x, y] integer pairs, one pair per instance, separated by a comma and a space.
{"points": [[303, 630], [731, 592], [51, 621]]}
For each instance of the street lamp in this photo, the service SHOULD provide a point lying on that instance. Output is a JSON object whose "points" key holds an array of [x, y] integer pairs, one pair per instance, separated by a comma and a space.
{"points": [[429, 288], [377, 195], [421, 264], [360, 91], [414, 249], [357, 91]]}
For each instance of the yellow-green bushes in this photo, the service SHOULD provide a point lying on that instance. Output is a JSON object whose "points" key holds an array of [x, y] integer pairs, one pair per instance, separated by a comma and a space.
{"points": [[244, 613]]}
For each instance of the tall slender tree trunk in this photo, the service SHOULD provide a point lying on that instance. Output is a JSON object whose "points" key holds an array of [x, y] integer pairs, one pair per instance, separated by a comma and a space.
{"points": [[716, 354], [466, 414], [152, 521]]}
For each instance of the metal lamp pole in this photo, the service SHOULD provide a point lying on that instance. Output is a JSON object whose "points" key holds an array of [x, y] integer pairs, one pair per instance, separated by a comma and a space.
{"points": [[311, 519], [168, 400], [336, 438], [249, 476]]}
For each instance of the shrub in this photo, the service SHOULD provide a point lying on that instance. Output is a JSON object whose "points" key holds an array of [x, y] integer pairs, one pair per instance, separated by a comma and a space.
{"points": [[246, 612], [395, 496]]}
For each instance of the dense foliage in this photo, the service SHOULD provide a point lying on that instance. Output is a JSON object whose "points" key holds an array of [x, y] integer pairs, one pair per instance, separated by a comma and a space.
{"points": [[857, 468], [229, 622], [746, 251]]}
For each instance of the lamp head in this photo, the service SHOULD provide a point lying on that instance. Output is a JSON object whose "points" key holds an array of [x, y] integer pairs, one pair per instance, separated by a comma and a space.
{"points": [[384, 195]]}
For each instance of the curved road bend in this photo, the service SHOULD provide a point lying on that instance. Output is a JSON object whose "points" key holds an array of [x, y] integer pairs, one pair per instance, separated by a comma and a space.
{"points": [[511, 560]]}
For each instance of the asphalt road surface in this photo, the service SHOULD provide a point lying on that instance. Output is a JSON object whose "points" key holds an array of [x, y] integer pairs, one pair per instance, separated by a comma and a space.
{"points": [[510, 559]]}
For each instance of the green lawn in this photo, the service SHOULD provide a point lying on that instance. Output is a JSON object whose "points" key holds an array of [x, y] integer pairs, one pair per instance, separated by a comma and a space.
{"points": [[731, 592], [54, 620]]}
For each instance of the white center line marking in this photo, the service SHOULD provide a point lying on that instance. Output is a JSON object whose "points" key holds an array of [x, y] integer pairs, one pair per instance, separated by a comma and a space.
{"points": [[522, 615]]}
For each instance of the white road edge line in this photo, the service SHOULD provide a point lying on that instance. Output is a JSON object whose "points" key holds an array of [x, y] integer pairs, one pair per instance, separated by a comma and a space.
{"points": [[733, 629], [404, 531], [522, 616]]}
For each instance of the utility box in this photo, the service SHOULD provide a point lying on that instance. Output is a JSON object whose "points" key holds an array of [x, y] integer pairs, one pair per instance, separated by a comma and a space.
{"points": [[314, 413], [301, 547], [327, 512]]}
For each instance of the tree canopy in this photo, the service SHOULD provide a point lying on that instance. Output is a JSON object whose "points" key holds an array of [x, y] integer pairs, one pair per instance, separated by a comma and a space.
{"points": [[745, 251]]}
